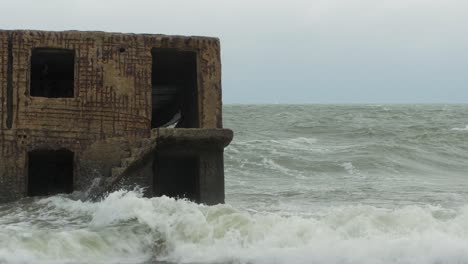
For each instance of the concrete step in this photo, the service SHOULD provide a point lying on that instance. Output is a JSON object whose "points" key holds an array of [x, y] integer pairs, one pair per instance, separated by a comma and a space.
{"points": [[126, 153], [145, 142], [135, 152], [141, 142], [127, 161], [116, 171]]}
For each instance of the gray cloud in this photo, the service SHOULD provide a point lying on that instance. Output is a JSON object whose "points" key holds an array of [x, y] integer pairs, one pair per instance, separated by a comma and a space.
{"points": [[322, 51]]}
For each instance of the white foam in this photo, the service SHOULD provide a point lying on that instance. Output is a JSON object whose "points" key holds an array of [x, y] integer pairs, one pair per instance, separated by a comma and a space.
{"points": [[127, 228], [271, 164], [460, 128], [349, 167]]}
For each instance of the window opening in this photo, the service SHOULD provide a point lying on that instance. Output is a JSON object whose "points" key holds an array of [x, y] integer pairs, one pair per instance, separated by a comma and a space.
{"points": [[52, 73]]}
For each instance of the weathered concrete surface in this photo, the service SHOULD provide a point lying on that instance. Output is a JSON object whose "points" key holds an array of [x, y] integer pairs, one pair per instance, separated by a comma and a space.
{"points": [[111, 107]]}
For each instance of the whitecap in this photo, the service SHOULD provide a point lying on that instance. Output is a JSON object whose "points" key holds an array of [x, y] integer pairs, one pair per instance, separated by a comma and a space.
{"points": [[348, 166], [460, 128]]}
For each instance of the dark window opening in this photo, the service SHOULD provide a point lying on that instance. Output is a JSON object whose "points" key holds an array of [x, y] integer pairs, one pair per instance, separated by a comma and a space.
{"points": [[176, 176], [52, 73], [174, 93], [50, 172]]}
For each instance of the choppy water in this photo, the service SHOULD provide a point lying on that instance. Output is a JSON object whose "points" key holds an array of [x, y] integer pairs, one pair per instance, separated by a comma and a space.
{"points": [[304, 184]]}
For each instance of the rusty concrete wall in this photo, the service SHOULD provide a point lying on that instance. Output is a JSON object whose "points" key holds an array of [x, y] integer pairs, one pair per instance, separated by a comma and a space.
{"points": [[11, 157], [112, 98]]}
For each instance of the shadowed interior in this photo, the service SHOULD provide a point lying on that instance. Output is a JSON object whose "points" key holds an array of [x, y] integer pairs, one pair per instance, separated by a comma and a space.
{"points": [[174, 92], [50, 172], [52, 73], [176, 176]]}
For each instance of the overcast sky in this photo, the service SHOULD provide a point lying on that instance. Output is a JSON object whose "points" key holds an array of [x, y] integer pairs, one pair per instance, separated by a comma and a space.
{"points": [[295, 51]]}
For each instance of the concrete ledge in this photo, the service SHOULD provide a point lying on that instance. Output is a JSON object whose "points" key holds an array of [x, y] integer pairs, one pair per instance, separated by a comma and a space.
{"points": [[195, 137]]}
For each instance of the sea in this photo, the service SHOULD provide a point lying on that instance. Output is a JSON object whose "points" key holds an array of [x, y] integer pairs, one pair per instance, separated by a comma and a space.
{"points": [[304, 184]]}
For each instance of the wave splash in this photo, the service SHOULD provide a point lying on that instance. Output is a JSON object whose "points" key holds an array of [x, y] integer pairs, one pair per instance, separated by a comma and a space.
{"points": [[125, 227]]}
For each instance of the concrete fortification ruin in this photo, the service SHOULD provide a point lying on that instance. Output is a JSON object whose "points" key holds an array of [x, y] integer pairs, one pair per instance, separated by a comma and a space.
{"points": [[79, 108]]}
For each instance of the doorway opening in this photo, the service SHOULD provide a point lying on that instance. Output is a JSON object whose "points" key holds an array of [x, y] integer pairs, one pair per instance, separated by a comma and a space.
{"points": [[176, 176], [50, 172], [174, 89]]}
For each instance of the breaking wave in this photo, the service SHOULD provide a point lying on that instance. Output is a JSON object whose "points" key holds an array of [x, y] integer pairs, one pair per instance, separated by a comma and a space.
{"points": [[127, 228]]}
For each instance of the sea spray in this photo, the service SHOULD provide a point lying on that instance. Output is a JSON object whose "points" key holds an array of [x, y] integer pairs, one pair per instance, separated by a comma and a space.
{"points": [[126, 227]]}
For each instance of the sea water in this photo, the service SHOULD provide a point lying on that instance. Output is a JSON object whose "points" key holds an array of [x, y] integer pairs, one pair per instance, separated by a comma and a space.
{"points": [[304, 184]]}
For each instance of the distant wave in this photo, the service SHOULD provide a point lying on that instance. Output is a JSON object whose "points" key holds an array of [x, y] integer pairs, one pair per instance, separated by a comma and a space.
{"points": [[349, 167], [460, 129], [300, 142]]}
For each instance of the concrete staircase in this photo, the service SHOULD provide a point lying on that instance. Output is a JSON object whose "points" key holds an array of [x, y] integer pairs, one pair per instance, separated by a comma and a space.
{"points": [[138, 151], [137, 167], [116, 179], [135, 153]]}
